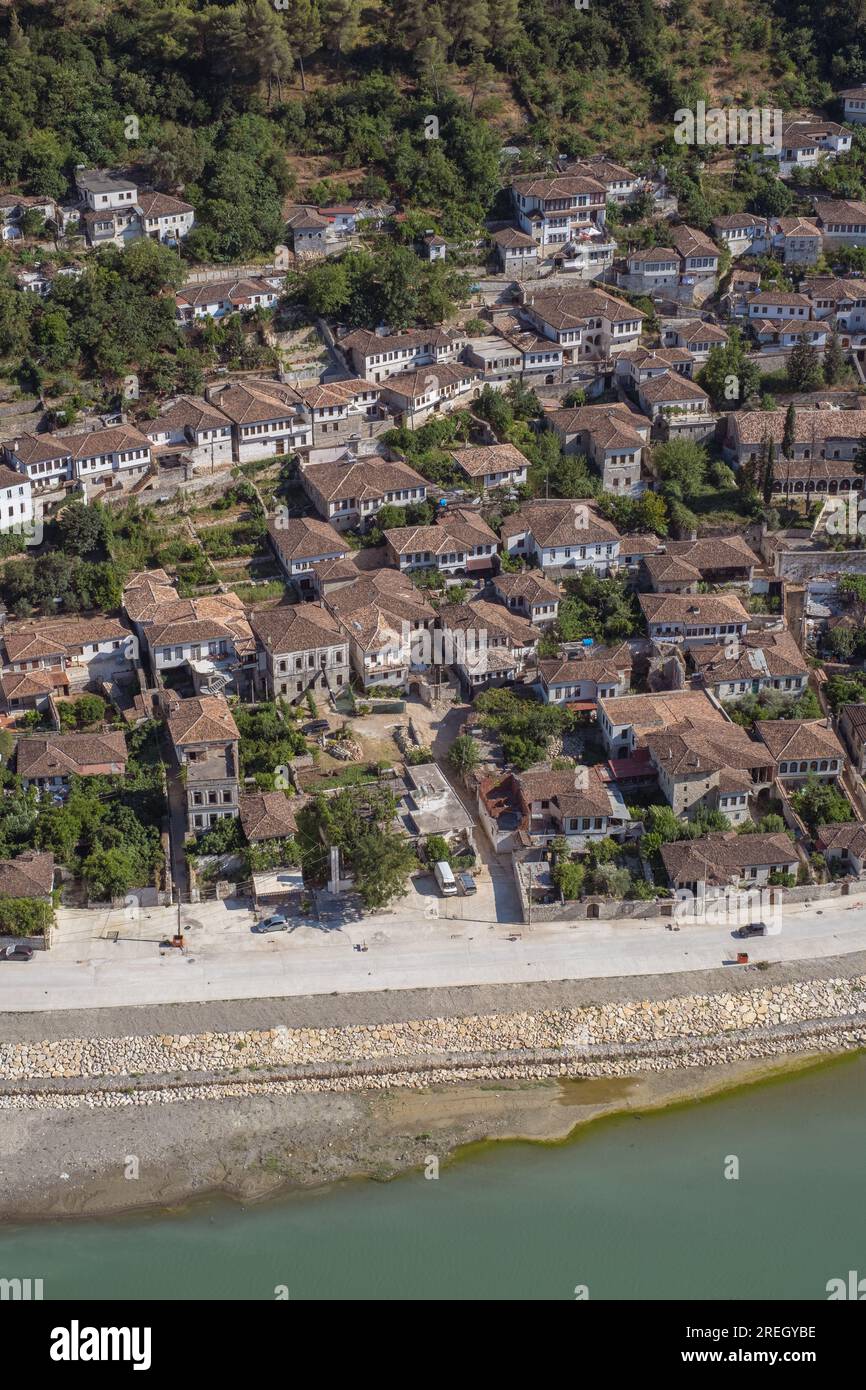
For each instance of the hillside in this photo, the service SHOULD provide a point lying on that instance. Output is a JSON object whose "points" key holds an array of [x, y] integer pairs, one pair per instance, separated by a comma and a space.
{"points": [[238, 105]]}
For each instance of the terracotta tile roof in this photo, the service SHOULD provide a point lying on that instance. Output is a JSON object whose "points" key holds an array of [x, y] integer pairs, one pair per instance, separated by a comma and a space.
{"points": [[559, 186], [834, 287], [672, 386], [560, 523], [571, 308], [368, 344], [751, 426], [190, 412], [305, 538], [695, 747], [300, 627], [693, 609], [580, 792], [329, 571], [10, 477], [255, 402], [65, 636], [609, 426], [269, 815], [367, 479], [802, 327], [840, 211], [667, 569], [724, 854], [715, 552], [435, 376], [373, 610], [856, 718], [57, 755], [531, 585], [146, 592], [47, 448], [202, 719], [732, 221], [599, 664], [798, 226], [28, 875], [756, 655], [661, 710], [788, 299], [691, 242], [305, 218], [336, 392], [510, 236], [790, 739], [24, 685], [457, 529], [176, 621], [216, 291], [493, 618], [489, 458], [653, 253], [597, 167], [850, 837], [640, 545], [656, 357], [162, 204], [698, 331]]}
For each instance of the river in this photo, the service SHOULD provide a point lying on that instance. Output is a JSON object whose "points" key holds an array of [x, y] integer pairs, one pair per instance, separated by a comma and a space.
{"points": [[633, 1207]]}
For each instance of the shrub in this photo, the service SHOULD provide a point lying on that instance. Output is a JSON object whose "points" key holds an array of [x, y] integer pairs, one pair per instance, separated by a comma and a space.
{"points": [[25, 917]]}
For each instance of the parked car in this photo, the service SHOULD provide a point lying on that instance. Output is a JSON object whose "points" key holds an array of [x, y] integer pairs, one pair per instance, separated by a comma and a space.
{"points": [[445, 878], [278, 921], [18, 953], [466, 883], [315, 726]]}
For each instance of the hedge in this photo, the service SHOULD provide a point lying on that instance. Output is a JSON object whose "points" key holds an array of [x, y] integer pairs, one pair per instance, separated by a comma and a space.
{"points": [[25, 916]]}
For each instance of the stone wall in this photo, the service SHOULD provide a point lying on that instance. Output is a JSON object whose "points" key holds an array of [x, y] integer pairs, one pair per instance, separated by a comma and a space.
{"points": [[612, 1039]]}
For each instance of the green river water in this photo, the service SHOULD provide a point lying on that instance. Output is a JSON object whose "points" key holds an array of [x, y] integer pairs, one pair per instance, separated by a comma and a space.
{"points": [[634, 1207]]}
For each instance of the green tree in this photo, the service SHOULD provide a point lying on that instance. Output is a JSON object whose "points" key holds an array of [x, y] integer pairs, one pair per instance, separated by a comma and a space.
{"points": [[382, 862], [681, 461], [109, 873], [804, 368], [82, 528], [463, 754]]}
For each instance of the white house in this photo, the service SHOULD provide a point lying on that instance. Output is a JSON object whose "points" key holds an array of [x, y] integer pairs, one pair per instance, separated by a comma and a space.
{"points": [[562, 535], [192, 427], [854, 105], [16, 502]]}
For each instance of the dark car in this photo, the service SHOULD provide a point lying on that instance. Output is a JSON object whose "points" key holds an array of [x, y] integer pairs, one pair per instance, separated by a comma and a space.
{"points": [[277, 922], [753, 929], [315, 726], [18, 953], [466, 883]]}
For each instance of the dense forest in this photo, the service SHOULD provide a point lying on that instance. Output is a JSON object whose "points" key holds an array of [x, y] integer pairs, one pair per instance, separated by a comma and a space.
{"points": [[237, 102], [242, 107]]}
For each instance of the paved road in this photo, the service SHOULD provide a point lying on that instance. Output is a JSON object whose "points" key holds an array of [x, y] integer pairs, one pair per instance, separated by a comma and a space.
{"points": [[405, 950]]}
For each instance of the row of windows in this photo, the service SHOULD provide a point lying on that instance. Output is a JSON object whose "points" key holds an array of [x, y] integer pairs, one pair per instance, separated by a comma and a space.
{"points": [[824, 765], [336, 657]]}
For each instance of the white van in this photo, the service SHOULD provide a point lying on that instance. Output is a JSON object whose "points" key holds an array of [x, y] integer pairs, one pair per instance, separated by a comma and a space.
{"points": [[446, 880]]}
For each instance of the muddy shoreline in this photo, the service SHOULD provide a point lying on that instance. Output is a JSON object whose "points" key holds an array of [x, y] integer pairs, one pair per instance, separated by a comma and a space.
{"points": [[93, 1164]]}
